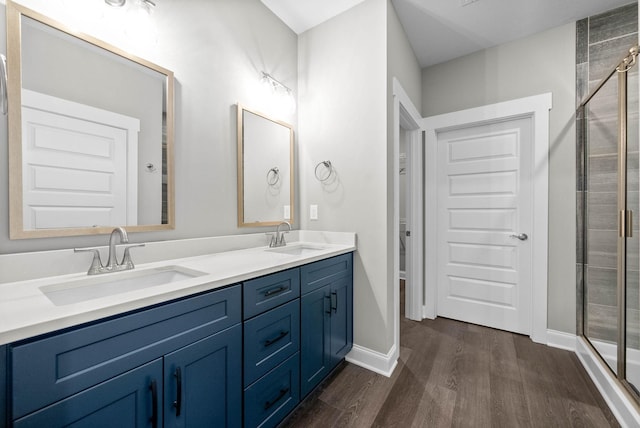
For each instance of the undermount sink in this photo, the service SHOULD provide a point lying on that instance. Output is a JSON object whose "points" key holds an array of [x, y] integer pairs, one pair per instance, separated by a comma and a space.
{"points": [[95, 287], [297, 249]]}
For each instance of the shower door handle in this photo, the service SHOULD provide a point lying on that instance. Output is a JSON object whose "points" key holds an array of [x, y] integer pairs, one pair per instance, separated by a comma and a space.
{"points": [[520, 236]]}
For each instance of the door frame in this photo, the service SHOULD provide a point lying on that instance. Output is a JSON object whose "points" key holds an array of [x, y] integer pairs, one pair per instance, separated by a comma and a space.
{"points": [[406, 115], [537, 108]]}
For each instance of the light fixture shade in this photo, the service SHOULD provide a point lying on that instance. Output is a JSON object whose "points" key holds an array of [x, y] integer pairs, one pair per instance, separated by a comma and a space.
{"points": [[116, 3]]}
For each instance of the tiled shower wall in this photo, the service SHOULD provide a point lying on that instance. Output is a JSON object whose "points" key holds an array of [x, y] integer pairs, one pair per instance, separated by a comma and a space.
{"points": [[601, 42]]}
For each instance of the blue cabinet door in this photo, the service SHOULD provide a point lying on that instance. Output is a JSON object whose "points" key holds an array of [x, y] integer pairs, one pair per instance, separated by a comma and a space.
{"points": [[341, 319], [203, 382], [132, 399], [3, 387], [315, 361]]}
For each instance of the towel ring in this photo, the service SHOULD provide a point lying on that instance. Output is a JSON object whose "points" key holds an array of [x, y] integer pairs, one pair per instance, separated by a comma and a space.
{"points": [[273, 176], [329, 170]]}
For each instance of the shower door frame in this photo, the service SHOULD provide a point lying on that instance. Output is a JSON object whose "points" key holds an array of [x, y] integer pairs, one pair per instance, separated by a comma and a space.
{"points": [[624, 218]]}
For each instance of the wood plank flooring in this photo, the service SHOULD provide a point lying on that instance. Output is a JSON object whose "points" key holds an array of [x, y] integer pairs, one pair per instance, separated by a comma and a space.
{"points": [[453, 374]]}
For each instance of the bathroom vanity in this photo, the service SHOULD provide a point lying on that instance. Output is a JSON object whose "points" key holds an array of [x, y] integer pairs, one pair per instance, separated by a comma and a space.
{"points": [[244, 353]]}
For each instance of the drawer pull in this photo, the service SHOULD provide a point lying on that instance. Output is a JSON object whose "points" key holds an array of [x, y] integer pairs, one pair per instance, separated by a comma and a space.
{"points": [[178, 403], [275, 291], [330, 303], [154, 398], [270, 404], [334, 306], [281, 336]]}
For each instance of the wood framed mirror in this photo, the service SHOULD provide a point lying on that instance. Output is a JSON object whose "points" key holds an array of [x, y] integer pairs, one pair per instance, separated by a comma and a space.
{"points": [[265, 170], [91, 133]]}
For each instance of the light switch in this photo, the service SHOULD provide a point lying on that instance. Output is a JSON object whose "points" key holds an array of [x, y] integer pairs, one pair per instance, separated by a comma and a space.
{"points": [[287, 212], [313, 212]]}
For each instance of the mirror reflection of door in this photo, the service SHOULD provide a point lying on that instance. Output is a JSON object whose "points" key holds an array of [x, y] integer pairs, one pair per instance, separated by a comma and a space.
{"points": [[85, 83], [79, 165]]}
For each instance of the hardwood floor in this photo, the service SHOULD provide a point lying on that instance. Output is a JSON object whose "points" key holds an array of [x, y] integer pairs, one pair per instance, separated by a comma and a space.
{"points": [[453, 374]]}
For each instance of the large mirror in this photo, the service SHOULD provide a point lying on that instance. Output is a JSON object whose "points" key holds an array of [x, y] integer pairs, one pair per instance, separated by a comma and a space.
{"points": [[265, 170], [90, 133]]}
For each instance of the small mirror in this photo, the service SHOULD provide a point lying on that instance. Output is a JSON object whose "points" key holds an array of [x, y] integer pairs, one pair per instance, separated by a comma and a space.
{"points": [[265, 170], [90, 133]]}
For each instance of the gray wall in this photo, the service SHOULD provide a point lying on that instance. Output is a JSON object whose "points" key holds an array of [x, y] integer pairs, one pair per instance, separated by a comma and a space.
{"points": [[343, 118], [541, 63], [217, 50]]}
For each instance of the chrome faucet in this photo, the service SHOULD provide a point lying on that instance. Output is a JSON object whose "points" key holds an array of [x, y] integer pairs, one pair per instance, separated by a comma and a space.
{"points": [[112, 262], [277, 240]]}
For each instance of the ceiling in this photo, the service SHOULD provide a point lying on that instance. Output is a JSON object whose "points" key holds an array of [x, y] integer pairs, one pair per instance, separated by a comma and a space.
{"points": [[440, 30]]}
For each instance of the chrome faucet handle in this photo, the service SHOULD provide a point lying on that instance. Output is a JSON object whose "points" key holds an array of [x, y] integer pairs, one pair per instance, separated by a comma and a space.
{"points": [[96, 264], [127, 263], [282, 241], [273, 239]]}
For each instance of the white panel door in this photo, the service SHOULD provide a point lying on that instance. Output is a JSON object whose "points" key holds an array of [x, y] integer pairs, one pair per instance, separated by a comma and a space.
{"points": [[484, 205], [79, 164], [74, 172]]}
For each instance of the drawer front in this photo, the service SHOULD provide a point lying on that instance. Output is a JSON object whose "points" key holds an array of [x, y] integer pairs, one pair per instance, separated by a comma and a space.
{"points": [[269, 339], [270, 399], [50, 369], [265, 293], [323, 272]]}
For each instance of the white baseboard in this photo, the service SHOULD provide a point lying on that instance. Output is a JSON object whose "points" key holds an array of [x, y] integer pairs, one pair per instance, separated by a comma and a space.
{"points": [[616, 398], [373, 360], [562, 340], [614, 395]]}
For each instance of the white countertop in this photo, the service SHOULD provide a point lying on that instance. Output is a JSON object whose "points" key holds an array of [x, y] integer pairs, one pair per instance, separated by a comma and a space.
{"points": [[25, 311]]}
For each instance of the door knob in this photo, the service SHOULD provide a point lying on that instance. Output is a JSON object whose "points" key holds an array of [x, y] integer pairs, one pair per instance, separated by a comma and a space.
{"points": [[520, 236]]}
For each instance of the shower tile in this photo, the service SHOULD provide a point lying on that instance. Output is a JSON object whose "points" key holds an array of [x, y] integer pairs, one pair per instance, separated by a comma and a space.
{"points": [[601, 286], [633, 294], [633, 204], [602, 248], [633, 180], [582, 82], [614, 23], [604, 104], [602, 208], [582, 41], [605, 55], [579, 298], [603, 137], [633, 329], [633, 254], [601, 323], [579, 226], [580, 147], [602, 173]]}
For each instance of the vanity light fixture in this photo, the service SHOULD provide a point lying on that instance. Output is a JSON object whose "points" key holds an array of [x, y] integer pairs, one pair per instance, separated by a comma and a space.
{"points": [[281, 89], [120, 3]]}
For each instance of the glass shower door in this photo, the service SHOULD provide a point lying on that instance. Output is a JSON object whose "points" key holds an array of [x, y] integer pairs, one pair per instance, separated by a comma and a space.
{"points": [[632, 279], [601, 163]]}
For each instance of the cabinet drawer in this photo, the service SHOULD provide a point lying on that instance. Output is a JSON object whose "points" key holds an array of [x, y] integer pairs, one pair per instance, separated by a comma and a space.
{"points": [[270, 399], [269, 291], [269, 339], [323, 272], [55, 367]]}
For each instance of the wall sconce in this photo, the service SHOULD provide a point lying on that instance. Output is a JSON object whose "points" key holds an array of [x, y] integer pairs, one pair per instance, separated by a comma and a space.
{"points": [[284, 95], [120, 3]]}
